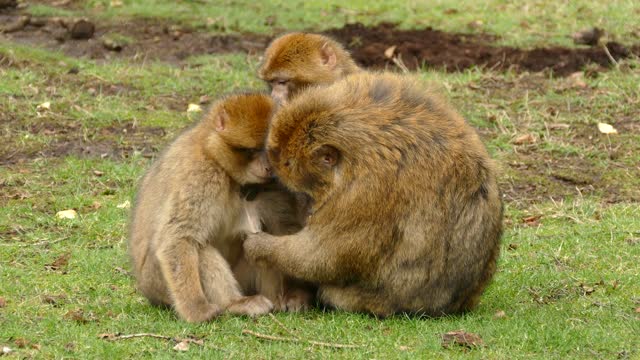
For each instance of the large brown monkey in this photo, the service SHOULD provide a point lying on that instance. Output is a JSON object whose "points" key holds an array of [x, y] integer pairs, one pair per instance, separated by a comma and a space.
{"points": [[190, 216], [407, 216], [297, 60]]}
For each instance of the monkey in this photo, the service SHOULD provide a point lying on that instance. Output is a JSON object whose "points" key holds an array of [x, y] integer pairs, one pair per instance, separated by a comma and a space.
{"points": [[297, 60], [276, 211], [189, 219], [406, 215]]}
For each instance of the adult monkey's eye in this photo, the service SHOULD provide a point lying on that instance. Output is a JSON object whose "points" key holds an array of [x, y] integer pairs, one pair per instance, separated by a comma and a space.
{"points": [[281, 81]]}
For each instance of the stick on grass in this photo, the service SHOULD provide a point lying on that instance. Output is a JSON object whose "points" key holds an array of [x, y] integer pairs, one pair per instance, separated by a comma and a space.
{"points": [[297, 340]]}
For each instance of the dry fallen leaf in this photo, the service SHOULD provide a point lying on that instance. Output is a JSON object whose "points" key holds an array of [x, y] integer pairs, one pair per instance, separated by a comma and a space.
{"points": [[575, 81], [499, 314], [124, 205], [116, 3], [3, 302], [588, 36], [403, 348], [476, 24], [524, 139], [98, 173], [558, 126], [462, 338], [194, 108], [44, 106], [532, 220], [54, 300], [182, 346], [606, 128], [6, 350], [637, 310], [79, 316], [60, 262], [108, 336], [390, 51], [22, 343], [587, 290], [66, 214]]}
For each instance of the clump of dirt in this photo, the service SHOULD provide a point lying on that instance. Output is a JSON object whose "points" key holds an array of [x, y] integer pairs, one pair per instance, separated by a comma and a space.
{"points": [[142, 39], [456, 52]]}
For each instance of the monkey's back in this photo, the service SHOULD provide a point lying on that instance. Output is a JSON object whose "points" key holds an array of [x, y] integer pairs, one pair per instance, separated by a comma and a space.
{"points": [[419, 189]]}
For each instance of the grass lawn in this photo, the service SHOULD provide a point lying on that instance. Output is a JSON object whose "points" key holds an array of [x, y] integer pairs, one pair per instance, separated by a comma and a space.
{"points": [[568, 284]]}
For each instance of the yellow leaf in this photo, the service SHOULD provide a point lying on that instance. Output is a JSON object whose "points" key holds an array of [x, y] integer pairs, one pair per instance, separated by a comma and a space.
{"points": [[390, 51], [182, 346], [194, 108], [66, 214], [607, 129]]}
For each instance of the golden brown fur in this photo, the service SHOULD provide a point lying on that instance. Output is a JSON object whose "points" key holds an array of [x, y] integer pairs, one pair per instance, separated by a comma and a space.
{"points": [[297, 60], [407, 216], [189, 220]]}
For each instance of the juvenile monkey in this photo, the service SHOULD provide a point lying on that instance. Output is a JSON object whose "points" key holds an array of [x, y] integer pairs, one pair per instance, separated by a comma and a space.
{"points": [[407, 216], [190, 219], [297, 60]]}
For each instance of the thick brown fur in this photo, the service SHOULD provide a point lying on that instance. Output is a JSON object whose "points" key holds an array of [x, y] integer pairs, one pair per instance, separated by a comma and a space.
{"points": [[189, 220], [298, 60], [407, 216]]}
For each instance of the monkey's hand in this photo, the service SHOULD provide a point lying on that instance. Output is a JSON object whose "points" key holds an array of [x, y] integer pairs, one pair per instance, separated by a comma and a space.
{"points": [[258, 247]]}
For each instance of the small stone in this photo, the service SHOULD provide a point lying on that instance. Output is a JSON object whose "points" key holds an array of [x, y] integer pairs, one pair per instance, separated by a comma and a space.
{"points": [[82, 29]]}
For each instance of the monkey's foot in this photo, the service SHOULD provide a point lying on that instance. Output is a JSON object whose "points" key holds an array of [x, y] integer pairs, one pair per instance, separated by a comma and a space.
{"points": [[251, 306], [296, 300], [199, 313]]}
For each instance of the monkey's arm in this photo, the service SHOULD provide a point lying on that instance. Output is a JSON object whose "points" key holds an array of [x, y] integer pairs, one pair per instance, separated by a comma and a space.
{"points": [[300, 255]]}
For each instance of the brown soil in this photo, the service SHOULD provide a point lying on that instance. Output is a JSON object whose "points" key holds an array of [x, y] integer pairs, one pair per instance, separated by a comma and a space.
{"points": [[415, 48], [116, 141], [454, 52]]}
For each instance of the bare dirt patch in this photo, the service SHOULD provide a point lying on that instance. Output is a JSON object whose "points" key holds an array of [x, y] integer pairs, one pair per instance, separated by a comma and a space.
{"points": [[148, 40], [116, 141], [455, 52]]}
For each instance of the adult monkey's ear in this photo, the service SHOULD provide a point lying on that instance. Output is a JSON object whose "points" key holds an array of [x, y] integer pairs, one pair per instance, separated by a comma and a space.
{"points": [[328, 56], [327, 156]]}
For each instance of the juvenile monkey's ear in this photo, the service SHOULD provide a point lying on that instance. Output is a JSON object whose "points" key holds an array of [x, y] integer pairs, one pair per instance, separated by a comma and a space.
{"points": [[327, 156], [328, 55], [221, 118]]}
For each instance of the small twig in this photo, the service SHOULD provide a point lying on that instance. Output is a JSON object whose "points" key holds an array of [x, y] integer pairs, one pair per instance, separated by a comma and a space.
{"points": [[44, 242], [115, 337], [606, 51], [282, 326], [399, 63], [296, 340]]}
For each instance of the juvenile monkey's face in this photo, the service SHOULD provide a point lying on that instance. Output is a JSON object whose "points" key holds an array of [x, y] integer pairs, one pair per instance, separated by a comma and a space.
{"points": [[280, 90], [283, 88], [240, 124], [257, 169]]}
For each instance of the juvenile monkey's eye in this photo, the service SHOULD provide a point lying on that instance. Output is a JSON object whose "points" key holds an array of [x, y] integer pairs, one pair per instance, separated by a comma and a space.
{"points": [[247, 152]]}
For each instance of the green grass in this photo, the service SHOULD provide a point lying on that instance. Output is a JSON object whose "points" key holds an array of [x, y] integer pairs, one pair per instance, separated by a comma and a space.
{"points": [[567, 283]]}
